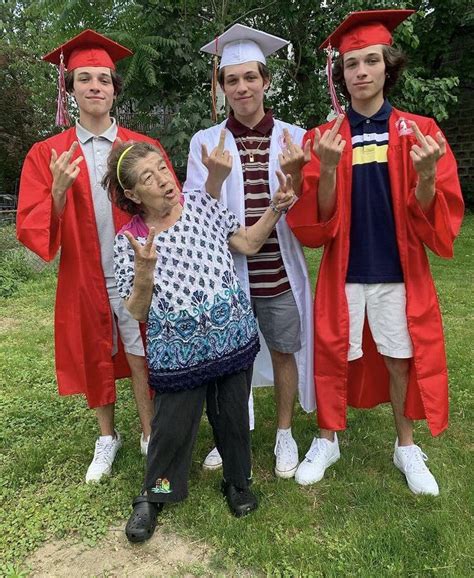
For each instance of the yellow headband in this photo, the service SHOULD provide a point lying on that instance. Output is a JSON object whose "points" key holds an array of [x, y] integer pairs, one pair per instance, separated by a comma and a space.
{"points": [[119, 163]]}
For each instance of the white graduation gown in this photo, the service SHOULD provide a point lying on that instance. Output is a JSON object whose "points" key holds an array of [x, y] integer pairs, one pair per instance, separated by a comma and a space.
{"points": [[232, 196]]}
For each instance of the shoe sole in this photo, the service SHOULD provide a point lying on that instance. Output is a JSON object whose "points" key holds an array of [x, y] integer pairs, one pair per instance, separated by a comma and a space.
{"points": [[311, 482], [211, 467], [414, 489], [286, 474]]}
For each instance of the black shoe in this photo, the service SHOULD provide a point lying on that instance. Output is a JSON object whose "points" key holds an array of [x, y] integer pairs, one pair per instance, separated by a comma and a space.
{"points": [[141, 524], [241, 501]]}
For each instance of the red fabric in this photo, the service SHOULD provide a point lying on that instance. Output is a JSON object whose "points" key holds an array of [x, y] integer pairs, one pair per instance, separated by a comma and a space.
{"points": [[364, 383], [83, 320]]}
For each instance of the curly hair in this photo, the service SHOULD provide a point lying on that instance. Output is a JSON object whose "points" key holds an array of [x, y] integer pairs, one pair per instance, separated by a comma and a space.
{"points": [[395, 60], [116, 81], [127, 179]]}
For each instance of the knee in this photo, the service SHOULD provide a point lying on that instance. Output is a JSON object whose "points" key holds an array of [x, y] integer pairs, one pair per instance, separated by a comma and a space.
{"points": [[397, 368]]}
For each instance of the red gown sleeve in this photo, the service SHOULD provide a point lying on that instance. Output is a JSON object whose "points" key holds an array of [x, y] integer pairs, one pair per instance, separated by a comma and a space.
{"points": [[303, 217], [438, 228], [38, 228]]}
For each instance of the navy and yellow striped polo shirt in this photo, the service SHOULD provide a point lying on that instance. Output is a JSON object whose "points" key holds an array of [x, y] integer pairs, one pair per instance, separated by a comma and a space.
{"points": [[374, 256]]}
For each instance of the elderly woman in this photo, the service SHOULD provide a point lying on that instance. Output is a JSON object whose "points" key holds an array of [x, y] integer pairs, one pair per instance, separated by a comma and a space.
{"points": [[174, 268]]}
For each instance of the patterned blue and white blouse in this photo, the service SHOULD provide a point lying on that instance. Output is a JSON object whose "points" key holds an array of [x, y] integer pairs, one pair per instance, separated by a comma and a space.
{"points": [[200, 323]]}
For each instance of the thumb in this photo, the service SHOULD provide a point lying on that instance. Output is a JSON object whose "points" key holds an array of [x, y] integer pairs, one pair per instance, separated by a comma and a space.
{"points": [[307, 151]]}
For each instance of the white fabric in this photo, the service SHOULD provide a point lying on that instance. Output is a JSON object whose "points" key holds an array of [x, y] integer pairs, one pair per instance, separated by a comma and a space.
{"points": [[241, 51], [385, 306], [232, 196]]}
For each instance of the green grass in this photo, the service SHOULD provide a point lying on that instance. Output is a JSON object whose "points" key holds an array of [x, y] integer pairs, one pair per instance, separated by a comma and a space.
{"points": [[361, 520]]}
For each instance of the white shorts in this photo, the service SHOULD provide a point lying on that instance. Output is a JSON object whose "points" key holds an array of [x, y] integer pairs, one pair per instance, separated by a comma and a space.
{"points": [[126, 325], [385, 304]]}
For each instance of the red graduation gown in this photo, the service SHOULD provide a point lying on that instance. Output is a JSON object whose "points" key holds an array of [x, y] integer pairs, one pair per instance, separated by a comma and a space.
{"points": [[364, 383], [83, 319]]}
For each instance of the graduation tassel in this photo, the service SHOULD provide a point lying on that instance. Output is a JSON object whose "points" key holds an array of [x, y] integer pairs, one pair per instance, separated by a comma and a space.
{"points": [[214, 83], [336, 105], [62, 114]]}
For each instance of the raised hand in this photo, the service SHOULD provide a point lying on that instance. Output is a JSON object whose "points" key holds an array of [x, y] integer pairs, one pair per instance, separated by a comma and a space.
{"points": [[427, 152], [328, 147], [293, 157], [219, 162], [63, 170], [285, 195], [145, 255]]}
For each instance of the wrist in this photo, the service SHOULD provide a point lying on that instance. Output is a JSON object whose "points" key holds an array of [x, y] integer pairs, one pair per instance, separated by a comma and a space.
{"points": [[276, 210]]}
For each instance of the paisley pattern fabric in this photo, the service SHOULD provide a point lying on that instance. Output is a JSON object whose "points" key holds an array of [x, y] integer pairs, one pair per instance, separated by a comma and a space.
{"points": [[200, 324]]}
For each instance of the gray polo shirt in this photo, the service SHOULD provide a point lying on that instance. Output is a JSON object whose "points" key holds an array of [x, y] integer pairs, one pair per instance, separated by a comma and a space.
{"points": [[96, 149]]}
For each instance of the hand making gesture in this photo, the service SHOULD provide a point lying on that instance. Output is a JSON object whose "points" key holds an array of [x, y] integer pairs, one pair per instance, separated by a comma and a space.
{"points": [[145, 255], [427, 152], [63, 170], [218, 164], [285, 195], [293, 157], [328, 148]]}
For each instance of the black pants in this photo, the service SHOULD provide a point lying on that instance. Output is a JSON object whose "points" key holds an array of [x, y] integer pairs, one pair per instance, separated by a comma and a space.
{"points": [[174, 429]]}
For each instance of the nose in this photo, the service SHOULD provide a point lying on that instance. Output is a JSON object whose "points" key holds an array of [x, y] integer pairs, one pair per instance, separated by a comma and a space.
{"points": [[95, 85], [361, 70], [242, 86]]}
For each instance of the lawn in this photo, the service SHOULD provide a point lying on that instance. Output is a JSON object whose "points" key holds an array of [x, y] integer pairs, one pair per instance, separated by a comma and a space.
{"points": [[361, 520]]}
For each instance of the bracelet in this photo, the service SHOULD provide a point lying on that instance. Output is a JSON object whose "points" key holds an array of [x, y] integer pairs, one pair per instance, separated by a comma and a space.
{"points": [[275, 209]]}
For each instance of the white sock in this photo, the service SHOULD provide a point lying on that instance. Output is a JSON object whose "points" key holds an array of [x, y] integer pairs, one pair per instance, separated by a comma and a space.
{"points": [[106, 439]]}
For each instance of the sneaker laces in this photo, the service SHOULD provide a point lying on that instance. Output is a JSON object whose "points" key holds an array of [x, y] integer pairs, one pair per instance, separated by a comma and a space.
{"points": [[102, 452], [318, 447], [415, 459], [283, 442]]}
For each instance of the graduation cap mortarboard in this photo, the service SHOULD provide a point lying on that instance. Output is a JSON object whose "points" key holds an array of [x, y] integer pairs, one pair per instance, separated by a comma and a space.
{"points": [[359, 30], [242, 44], [88, 48]]}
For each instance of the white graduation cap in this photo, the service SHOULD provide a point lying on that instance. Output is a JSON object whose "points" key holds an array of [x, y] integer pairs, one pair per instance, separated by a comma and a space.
{"points": [[242, 44]]}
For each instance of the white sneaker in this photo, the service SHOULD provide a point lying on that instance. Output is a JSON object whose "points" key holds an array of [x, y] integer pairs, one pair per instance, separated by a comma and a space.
{"points": [[320, 456], [213, 460], [144, 444], [106, 447], [410, 460], [286, 452]]}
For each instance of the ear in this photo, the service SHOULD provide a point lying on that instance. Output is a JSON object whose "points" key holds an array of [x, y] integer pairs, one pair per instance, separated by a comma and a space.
{"points": [[266, 84], [132, 196]]}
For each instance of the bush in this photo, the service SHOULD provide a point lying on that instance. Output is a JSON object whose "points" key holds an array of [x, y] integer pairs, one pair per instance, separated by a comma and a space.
{"points": [[15, 269]]}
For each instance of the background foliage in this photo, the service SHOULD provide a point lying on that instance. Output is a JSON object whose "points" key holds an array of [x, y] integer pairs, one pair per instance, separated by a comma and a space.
{"points": [[168, 81]]}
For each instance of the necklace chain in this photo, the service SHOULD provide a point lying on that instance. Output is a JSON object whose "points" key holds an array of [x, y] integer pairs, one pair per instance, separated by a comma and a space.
{"points": [[251, 155]]}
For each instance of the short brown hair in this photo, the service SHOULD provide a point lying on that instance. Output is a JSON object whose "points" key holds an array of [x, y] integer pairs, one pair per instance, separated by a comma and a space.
{"points": [[116, 81], [262, 68], [395, 60], [128, 175]]}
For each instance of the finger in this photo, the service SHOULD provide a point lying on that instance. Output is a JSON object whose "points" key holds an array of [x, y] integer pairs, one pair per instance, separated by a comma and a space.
{"points": [[337, 125], [54, 157], [281, 158], [282, 180], [441, 143], [289, 184], [307, 151], [133, 242], [149, 240], [417, 150], [118, 141], [287, 137], [317, 139], [204, 154], [419, 135], [76, 162], [342, 146], [71, 151], [220, 146]]}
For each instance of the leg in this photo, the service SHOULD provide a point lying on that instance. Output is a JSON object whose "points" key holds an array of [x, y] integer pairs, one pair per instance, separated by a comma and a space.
{"points": [[106, 447], [141, 392], [398, 370], [285, 375]]}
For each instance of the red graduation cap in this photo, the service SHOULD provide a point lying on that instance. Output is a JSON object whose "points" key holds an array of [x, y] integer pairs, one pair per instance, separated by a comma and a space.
{"points": [[362, 29], [86, 49], [359, 30]]}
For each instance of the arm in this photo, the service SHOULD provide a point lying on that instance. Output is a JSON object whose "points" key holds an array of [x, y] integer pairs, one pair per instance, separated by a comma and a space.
{"points": [[45, 180], [435, 205], [138, 304], [249, 240]]}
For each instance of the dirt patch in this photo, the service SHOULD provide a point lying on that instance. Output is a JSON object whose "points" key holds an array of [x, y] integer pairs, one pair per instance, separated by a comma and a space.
{"points": [[7, 324], [165, 554]]}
